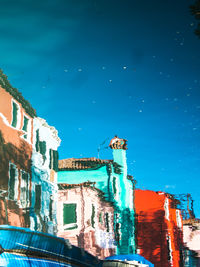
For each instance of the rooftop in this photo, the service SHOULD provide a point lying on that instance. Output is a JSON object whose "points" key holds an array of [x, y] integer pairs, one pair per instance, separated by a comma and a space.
{"points": [[4, 83], [91, 185], [86, 163]]}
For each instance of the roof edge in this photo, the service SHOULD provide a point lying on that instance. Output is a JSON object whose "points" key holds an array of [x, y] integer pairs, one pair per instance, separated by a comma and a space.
{"points": [[5, 84]]}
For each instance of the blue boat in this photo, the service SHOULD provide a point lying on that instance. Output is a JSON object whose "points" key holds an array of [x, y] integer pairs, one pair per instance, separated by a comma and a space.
{"points": [[23, 247], [126, 260]]}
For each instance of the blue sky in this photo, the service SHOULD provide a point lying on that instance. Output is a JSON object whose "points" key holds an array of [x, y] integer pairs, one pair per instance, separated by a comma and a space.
{"points": [[94, 69]]}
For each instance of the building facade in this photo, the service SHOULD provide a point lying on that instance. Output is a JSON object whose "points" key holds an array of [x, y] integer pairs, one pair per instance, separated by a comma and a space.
{"points": [[85, 218], [110, 176], [191, 239], [28, 163], [44, 177], [158, 228], [16, 139]]}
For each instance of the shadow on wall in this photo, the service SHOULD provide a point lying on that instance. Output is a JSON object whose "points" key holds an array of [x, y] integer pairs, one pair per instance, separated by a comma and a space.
{"points": [[8, 152], [10, 212], [151, 237]]}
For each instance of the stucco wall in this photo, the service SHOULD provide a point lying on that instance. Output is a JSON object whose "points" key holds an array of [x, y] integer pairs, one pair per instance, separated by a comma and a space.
{"points": [[95, 239]]}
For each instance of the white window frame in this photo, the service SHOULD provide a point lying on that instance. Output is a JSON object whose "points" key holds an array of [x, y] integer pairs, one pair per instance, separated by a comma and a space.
{"points": [[18, 115]]}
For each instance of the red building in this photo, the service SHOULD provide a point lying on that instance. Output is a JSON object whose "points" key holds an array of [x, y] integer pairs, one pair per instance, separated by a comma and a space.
{"points": [[158, 228], [16, 137]]}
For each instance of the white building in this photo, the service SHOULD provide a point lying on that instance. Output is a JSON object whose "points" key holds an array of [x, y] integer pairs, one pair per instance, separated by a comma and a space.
{"points": [[44, 177]]}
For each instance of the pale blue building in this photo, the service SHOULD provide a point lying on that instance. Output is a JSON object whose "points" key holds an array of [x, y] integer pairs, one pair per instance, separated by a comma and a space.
{"points": [[110, 176]]}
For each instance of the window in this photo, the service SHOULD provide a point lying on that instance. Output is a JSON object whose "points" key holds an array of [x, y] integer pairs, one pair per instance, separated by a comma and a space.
{"points": [[51, 208], [107, 222], [114, 186], [38, 192], [24, 194], [93, 216], [13, 182], [69, 216], [40, 146], [15, 115], [100, 218], [25, 126], [53, 159]]}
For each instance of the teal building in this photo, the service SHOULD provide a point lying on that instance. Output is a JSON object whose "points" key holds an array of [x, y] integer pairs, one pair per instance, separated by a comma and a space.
{"points": [[109, 176]]}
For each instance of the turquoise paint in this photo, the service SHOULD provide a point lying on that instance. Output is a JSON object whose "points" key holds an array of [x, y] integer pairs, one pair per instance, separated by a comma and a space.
{"points": [[123, 199], [99, 176]]}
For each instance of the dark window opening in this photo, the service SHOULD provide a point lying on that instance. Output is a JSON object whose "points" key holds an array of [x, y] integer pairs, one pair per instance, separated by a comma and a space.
{"points": [[168, 250], [51, 209], [12, 174], [38, 192], [107, 222]]}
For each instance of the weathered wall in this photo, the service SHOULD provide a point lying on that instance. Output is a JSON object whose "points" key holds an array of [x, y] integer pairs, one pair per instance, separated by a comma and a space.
{"points": [[118, 189], [158, 228], [91, 233], [44, 175], [14, 148], [191, 237]]}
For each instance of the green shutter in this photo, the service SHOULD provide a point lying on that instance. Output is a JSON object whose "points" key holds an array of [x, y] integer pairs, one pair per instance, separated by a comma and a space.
{"points": [[50, 158], [42, 146], [107, 222], [37, 147], [25, 126], [14, 115], [114, 186], [100, 218], [69, 213], [92, 216], [55, 160]]}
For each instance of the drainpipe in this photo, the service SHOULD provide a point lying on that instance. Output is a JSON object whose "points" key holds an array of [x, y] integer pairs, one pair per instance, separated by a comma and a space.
{"points": [[82, 217]]}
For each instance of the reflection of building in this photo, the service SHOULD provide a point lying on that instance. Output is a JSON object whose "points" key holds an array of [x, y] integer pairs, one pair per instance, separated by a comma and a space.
{"points": [[16, 138], [191, 238], [110, 176], [44, 177], [86, 219], [158, 228], [28, 163]]}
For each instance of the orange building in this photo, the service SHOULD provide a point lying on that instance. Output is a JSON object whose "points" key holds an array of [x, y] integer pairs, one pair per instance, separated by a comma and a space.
{"points": [[158, 228], [16, 137]]}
